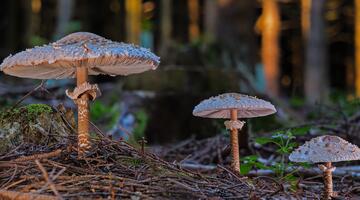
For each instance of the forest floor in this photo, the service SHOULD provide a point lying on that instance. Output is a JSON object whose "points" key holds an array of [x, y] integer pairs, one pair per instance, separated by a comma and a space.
{"points": [[117, 170], [49, 168]]}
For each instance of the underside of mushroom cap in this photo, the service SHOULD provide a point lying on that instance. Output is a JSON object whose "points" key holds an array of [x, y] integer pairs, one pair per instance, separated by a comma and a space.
{"points": [[59, 60], [325, 148], [220, 106]]}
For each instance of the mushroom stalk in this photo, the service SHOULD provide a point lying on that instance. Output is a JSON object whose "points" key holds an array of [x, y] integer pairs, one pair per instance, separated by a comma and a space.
{"points": [[83, 113], [328, 184], [234, 143]]}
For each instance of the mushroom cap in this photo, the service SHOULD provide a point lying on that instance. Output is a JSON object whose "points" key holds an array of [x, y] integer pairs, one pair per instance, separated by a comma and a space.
{"points": [[220, 106], [325, 148], [60, 59]]}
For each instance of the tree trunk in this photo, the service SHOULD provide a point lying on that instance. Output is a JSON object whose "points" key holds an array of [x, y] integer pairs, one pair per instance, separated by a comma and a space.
{"points": [[357, 47], [165, 26], [210, 18], [194, 29], [133, 20], [316, 72], [234, 32], [64, 14], [305, 18], [270, 45]]}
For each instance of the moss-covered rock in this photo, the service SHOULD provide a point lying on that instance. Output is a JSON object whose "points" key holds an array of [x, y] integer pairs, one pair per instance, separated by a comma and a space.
{"points": [[35, 124]]}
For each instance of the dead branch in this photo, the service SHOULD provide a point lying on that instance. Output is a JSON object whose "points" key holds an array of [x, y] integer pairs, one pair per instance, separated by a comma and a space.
{"points": [[39, 156], [47, 179], [13, 195]]}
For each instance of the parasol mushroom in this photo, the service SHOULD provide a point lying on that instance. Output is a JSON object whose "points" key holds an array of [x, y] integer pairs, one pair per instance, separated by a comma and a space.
{"points": [[233, 106], [77, 56], [326, 149]]}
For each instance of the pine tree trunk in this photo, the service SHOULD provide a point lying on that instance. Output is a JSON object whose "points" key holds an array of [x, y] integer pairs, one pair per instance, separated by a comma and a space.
{"points": [[270, 45], [64, 14], [165, 26], [357, 47], [194, 29], [316, 72], [133, 20], [210, 18]]}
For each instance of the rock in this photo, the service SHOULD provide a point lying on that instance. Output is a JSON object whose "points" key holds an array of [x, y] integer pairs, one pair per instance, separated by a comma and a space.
{"points": [[37, 124]]}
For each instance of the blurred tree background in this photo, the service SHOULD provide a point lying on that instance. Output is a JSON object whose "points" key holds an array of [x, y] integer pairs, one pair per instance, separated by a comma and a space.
{"points": [[295, 53]]}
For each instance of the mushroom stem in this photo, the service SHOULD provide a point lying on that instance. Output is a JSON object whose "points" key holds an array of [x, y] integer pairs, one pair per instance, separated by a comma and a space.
{"points": [[328, 184], [234, 143], [83, 113]]}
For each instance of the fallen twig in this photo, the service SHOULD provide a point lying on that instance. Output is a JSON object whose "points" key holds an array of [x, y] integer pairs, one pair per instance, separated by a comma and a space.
{"points": [[47, 179], [10, 195], [39, 156]]}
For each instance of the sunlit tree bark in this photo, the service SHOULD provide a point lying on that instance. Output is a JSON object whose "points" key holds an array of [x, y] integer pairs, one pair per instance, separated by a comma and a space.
{"points": [[316, 73], [357, 47], [133, 20], [194, 29], [270, 29], [305, 17]]}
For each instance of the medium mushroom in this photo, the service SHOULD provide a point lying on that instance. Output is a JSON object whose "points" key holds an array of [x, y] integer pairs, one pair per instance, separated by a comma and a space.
{"points": [[77, 56], [233, 106], [326, 149]]}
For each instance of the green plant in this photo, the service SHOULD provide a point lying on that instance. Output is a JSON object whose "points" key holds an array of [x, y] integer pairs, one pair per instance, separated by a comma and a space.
{"points": [[142, 119], [250, 162], [108, 114], [36, 40], [284, 141], [340, 106], [29, 112]]}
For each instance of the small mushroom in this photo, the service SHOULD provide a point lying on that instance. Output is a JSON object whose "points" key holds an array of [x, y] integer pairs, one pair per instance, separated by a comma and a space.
{"points": [[233, 106], [326, 149], [77, 56]]}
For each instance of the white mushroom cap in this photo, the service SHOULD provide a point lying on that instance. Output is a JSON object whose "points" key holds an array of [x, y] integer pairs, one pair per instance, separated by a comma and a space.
{"points": [[325, 148], [59, 60], [220, 106]]}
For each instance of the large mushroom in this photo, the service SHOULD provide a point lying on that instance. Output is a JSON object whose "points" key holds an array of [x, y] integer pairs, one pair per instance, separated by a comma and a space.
{"points": [[233, 106], [326, 149], [77, 56]]}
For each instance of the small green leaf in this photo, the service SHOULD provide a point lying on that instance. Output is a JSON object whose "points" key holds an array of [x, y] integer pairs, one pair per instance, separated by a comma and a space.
{"points": [[245, 168], [298, 131], [305, 165], [290, 177], [293, 144], [251, 158], [263, 140], [260, 165]]}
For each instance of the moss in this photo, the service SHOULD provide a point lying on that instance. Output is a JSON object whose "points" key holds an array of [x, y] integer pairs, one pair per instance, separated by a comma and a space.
{"points": [[34, 123], [36, 109], [29, 112]]}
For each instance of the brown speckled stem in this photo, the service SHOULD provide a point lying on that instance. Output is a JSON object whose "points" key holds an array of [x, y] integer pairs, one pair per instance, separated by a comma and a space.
{"points": [[83, 113], [234, 144], [328, 184]]}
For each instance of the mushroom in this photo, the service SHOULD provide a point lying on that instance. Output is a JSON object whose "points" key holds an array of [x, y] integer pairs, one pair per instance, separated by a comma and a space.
{"points": [[326, 149], [76, 56], [233, 106]]}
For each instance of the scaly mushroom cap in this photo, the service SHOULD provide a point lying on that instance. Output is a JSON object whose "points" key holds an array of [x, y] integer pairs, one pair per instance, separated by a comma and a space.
{"points": [[59, 60], [220, 106], [325, 148]]}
